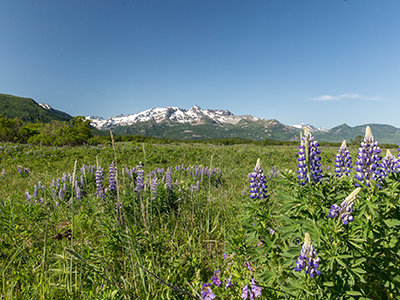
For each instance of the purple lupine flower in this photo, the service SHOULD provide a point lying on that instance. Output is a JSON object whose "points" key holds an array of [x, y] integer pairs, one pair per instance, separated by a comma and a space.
{"points": [[64, 187], [82, 181], [258, 184], [60, 194], [307, 259], [64, 177], [19, 170], [246, 293], [228, 282], [99, 183], [27, 196], [215, 279], [139, 178], [36, 192], [309, 160], [389, 164], [77, 191], [368, 159], [113, 177], [154, 185], [255, 289], [343, 161], [271, 231], [206, 292], [345, 209], [168, 179], [224, 256]]}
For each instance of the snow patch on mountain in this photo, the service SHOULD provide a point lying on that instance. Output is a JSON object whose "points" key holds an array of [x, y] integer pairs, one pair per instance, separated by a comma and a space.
{"points": [[45, 106], [194, 115], [310, 128]]}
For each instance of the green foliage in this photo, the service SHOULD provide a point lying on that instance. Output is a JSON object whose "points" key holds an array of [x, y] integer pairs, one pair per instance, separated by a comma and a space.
{"points": [[91, 248], [27, 110], [75, 132]]}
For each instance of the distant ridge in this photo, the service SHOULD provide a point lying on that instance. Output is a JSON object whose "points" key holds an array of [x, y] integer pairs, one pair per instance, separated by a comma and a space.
{"points": [[29, 110]]}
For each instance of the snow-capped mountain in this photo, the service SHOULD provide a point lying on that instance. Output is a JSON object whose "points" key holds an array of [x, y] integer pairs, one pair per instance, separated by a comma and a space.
{"points": [[194, 115], [310, 128]]}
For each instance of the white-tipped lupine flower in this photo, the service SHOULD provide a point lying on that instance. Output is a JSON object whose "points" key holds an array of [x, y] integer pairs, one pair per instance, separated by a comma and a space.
{"points": [[308, 152], [308, 258], [368, 159], [389, 164], [343, 161], [346, 208]]}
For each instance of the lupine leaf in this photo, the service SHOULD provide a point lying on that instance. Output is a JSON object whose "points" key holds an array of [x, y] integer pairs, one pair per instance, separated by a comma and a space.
{"points": [[392, 222]]}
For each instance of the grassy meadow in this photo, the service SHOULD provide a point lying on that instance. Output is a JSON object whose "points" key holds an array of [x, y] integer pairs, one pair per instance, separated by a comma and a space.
{"points": [[63, 239]]}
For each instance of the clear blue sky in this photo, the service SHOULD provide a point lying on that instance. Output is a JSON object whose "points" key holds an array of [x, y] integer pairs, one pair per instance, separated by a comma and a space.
{"points": [[310, 61]]}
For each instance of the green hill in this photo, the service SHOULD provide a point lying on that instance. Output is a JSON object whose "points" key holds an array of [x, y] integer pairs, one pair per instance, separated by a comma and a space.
{"points": [[382, 133], [28, 110]]}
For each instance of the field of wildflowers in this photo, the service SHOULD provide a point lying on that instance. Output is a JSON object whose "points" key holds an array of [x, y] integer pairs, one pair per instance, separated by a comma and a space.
{"points": [[148, 221]]}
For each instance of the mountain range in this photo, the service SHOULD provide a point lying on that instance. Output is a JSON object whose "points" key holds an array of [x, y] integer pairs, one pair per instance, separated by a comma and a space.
{"points": [[194, 123], [197, 123]]}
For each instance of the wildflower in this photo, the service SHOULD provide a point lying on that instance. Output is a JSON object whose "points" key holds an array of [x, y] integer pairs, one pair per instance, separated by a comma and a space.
{"points": [[343, 161], [368, 159], [224, 256], [168, 179], [389, 164], [228, 282], [258, 184], [255, 289], [113, 177], [345, 209], [19, 170], [309, 161], [140, 178], [215, 279], [36, 192], [271, 231], [60, 194], [307, 259], [77, 191], [27, 196], [154, 185], [206, 292], [99, 183], [246, 292]]}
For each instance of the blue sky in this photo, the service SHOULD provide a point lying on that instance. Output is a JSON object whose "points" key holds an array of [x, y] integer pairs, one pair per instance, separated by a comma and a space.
{"points": [[309, 61]]}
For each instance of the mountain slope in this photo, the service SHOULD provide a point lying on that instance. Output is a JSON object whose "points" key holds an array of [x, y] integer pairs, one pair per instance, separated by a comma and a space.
{"points": [[28, 110], [382, 133]]}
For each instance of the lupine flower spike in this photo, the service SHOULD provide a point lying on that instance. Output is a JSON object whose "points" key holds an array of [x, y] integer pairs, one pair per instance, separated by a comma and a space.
{"points": [[258, 184], [206, 292], [309, 160], [368, 159], [343, 161], [389, 164], [345, 209], [307, 259]]}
